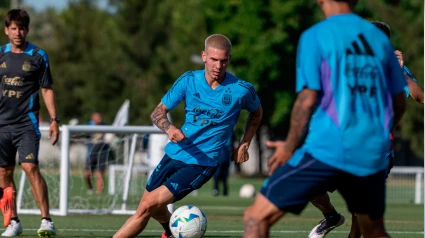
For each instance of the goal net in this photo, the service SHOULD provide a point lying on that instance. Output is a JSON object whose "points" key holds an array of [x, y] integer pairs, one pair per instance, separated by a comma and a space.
{"points": [[128, 157]]}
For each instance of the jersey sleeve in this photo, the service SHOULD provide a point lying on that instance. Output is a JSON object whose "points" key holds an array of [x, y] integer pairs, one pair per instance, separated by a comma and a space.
{"points": [[177, 92], [250, 100], [309, 58], [406, 89], [394, 73], [46, 79]]}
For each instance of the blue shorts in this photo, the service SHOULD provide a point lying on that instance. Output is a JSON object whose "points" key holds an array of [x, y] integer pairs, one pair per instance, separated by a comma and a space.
{"points": [[180, 178], [291, 188]]}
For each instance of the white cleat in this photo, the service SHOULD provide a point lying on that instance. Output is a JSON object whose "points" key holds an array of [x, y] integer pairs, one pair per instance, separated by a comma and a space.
{"points": [[13, 229], [324, 227], [47, 229]]}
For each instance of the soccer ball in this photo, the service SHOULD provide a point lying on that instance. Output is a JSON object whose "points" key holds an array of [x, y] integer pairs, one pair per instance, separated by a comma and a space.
{"points": [[247, 191], [188, 222]]}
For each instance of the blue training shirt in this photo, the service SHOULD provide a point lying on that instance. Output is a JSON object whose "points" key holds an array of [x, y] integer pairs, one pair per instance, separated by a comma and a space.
{"points": [[353, 66], [211, 115]]}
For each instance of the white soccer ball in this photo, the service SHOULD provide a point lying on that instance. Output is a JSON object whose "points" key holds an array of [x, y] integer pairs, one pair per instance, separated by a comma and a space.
{"points": [[247, 191], [188, 222]]}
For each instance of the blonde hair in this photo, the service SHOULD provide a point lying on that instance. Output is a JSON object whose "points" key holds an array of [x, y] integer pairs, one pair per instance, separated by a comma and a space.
{"points": [[218, 41]]}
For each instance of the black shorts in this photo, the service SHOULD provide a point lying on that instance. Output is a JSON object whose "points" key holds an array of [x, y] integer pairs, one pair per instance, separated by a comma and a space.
{"points": [[25, 142], [98, 157], [291, 188]]}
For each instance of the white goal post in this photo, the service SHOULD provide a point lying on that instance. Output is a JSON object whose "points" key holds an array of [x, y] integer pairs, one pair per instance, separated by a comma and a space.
{"points": [[64, 166]]}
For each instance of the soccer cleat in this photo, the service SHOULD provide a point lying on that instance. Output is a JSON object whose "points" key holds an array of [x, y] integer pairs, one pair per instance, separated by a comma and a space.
{"points": [[165, 236], [47, 229], [324, 227], [13, 229], [6, 205]]}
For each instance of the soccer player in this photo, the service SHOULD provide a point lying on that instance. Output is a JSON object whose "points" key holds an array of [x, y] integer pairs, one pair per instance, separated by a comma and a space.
{"points": [[332, 218], [24, 68], [213, 99], [350, 90]]}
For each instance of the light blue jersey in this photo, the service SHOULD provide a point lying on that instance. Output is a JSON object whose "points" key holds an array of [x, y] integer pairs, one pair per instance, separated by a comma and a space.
{"points": [[211, 115], [353, 66]]}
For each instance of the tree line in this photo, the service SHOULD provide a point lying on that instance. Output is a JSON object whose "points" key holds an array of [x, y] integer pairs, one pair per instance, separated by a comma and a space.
{"points": [[136, 49]]}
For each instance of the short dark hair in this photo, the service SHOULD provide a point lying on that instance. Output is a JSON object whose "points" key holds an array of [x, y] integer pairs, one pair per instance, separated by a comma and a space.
{"points": [[383, 26], [19, 16], [352, 3]]}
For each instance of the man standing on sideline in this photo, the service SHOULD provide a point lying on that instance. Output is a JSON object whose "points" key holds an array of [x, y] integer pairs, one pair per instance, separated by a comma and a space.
{"points": [[213, 99], [24, 68], [350, 91], [97, 157]]}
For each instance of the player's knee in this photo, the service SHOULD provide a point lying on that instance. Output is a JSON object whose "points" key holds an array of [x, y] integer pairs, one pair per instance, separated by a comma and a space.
{"points": [[249, 214], [145, 209]]}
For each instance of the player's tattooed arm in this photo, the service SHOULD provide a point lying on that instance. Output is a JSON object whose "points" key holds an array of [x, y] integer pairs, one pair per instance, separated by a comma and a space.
{"points": [[303, 109], [159, 117], [252, 123], [416, 90]]}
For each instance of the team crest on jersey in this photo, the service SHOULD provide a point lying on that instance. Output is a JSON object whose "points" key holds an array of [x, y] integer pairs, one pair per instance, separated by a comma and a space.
{"points": [[226, 100], [26, 66]]}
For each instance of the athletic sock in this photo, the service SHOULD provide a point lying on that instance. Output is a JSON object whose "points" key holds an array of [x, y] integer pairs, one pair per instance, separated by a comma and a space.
{"points": [[332, 216], [47, 218], [15, 219], [166, 228]]}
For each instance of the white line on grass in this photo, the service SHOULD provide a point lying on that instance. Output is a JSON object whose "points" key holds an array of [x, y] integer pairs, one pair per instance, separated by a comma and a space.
{"points": [[231, 231]]}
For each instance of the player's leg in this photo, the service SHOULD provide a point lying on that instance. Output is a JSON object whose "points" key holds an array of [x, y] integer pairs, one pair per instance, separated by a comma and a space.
{"points": [[259, 217], [99, 181], [101, 166], [226, 165], [88, 177], [7, 167], [151, 203], [310, 177], [332, 218], [28, 143], [185, 179], [355, 227], [365, 197], [216, 191]]}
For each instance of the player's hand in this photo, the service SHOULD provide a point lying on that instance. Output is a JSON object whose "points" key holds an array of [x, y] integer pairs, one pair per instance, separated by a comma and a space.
{"points": [[175, 134], [399, 55], [279, 157], [241, 154], [54, 131]]}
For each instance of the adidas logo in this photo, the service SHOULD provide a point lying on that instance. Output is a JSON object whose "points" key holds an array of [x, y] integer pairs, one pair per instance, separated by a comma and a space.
{"points": [[197, 95], [30, 156], [175, 185], [3, 65], [355, 50]]}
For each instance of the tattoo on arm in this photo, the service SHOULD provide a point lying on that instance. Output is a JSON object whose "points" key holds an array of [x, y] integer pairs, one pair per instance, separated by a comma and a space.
{"points": [[300, 118], [252, 228], [252, 123], [159, 117]]}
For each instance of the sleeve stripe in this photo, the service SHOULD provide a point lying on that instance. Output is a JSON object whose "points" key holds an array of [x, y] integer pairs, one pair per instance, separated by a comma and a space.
{"points": [[44, 55], [180, 78], [249, 87], [407, 71]]}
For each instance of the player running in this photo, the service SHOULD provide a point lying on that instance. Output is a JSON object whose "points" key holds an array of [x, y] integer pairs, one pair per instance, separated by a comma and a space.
{"points": [[350, 89], [213, 99]]}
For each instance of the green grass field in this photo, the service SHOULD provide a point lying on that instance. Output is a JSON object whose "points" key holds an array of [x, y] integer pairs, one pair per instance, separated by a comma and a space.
{"points": [[225, 218]]}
